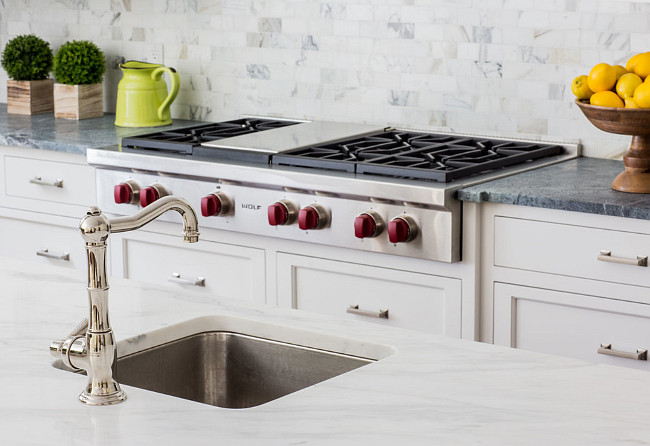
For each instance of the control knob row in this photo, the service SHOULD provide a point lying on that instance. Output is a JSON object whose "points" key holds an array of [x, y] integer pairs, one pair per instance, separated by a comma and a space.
{"points": [[129, 192], [310, 217], [366, 225], [400, 229]]}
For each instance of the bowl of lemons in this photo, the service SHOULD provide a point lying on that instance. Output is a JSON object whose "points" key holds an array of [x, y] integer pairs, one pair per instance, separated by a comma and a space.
{"points": [[616, 99]]}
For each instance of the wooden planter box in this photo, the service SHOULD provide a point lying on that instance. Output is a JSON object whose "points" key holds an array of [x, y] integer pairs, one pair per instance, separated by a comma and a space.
{"points": [[30, 97], [78, 101]]}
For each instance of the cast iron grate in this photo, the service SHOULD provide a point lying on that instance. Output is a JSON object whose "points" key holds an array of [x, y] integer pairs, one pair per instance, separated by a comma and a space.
{"points": [[426, 156], [184, 140]]}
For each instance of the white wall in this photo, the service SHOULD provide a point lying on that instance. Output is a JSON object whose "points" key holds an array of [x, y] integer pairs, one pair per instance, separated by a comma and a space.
{"points": [[475, 66]]}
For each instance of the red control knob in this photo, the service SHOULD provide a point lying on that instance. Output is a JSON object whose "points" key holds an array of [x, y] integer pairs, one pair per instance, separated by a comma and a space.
{"points": [[210, 205], [308, 218], [365, 226], [278, 214], [126, 192], [148, 195], [123, 193], [313, 216], [401, 229]]}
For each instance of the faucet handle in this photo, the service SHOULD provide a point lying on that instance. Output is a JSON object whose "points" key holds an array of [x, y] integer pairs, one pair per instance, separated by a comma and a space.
{"points": [[80, 329], [61, 349]]}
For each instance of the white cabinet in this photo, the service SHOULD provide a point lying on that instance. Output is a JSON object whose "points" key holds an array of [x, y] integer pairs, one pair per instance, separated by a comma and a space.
{"points": [[216, 268], [57, 241], [43, 197], [564, 283], [380, 295], [570, 324]]}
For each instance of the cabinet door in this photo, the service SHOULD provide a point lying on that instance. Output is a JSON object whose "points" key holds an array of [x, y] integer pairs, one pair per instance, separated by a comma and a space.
{"points": [[416, 301], [573, 325], [57, 242], [223, 270]]}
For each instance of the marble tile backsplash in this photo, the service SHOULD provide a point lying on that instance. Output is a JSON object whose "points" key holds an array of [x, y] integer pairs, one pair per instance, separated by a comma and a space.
{"points": [[496, 67]]}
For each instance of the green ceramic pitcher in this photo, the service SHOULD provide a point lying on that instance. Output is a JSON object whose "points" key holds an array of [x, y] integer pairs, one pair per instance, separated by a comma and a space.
{"points": [[142, 96]]}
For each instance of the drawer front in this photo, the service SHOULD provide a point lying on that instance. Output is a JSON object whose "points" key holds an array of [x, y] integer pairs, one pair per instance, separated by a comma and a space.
{"points": [[571, 250], [56, 244], [229, 271], [571, 325], [416, 301], [51, 181]]}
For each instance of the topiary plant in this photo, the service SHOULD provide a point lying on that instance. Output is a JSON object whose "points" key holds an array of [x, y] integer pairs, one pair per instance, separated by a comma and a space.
{"points": [[27, 58], [78, 63]]}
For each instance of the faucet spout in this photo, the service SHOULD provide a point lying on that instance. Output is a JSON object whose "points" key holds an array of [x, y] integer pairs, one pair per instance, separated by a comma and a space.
{"points": [[155, 210], [95, 351]]}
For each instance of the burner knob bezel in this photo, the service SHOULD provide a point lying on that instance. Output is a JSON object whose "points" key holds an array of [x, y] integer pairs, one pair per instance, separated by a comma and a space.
{"points": [[216, 204], [368, 225], [155, 190], [287, 213], [402, 229], [312, 217], [126, 192]]}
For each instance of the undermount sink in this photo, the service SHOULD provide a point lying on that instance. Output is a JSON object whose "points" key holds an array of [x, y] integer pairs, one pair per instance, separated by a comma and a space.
{"points": [[237, 363]]}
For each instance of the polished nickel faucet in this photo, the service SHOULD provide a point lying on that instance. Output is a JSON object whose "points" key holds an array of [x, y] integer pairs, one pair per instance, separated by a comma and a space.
{"points": [[91, 345]]}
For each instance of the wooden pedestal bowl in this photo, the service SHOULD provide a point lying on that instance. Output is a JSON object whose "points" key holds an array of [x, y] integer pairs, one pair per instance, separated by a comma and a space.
{"points": [[626, 121]]}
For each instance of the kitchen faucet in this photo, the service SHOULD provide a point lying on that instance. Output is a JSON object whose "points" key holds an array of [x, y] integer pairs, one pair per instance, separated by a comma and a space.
{"points": [[91, 345]]}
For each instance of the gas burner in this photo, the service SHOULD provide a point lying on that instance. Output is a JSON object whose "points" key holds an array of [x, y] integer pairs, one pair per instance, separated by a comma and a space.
{"points": [[425, 156], [184, 140]]}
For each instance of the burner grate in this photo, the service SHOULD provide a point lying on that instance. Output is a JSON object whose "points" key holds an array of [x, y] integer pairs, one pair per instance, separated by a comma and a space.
{"points": [[425, 156], [184, 140]]}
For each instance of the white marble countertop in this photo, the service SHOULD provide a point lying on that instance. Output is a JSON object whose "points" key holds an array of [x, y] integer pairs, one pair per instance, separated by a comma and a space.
{"points": [[432, 390]]}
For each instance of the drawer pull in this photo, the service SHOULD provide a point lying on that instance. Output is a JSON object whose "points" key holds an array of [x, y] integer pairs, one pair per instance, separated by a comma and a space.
{"points": [[176, 278], [606, 349], [55, 183], [354, 309], [606, 256], [46, 253]]}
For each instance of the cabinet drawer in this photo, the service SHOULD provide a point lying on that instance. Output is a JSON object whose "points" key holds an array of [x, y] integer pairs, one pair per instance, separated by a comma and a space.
{"points": [[51, 181], [573, 325], [229, 271], [58, 244], [570, 250], [416, 301]]}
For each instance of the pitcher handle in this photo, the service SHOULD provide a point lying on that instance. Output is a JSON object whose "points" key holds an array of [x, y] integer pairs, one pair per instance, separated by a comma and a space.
{"points": [[173, 91]]}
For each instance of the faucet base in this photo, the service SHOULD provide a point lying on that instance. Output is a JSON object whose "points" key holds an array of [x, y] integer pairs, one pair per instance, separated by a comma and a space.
{"points": [[104, 399]]}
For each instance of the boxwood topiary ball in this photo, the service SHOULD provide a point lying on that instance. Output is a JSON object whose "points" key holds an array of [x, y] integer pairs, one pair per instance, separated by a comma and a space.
{"points": [[78, 63], [27, 58]]}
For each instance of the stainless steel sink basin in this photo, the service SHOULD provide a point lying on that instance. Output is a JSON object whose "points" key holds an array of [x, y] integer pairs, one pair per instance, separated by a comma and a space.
{"points": [[211, 361], [231, 370]]}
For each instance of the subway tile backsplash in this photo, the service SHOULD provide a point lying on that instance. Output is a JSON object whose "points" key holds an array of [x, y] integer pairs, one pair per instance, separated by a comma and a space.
{"points": [[496, 67]]}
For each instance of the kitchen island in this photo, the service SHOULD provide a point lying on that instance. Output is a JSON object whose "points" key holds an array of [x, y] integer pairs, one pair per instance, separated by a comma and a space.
{"points": [[431, 390]]}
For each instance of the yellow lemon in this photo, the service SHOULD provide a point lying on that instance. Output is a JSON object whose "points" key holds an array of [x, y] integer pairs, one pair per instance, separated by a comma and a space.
{"points": [[642, 65], [642, 95], [602, 77], [607, 99], [629, 66], [580, 88], [629, 103], [620, 71], [627, 84]]}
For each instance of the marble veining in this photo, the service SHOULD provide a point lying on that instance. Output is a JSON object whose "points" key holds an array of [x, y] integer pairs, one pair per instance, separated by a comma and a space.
{"points": [[580, 185], [431, 390], [249, 57]]}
